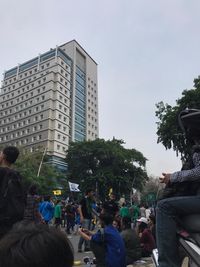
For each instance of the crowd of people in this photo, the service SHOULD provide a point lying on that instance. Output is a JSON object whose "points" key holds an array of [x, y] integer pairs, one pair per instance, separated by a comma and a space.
{"points": [[123, 235], [133, 224], [31, 226], [117, 234]]}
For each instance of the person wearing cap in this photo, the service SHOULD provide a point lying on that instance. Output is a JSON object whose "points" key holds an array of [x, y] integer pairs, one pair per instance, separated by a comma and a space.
{"points": [[147, 241]]}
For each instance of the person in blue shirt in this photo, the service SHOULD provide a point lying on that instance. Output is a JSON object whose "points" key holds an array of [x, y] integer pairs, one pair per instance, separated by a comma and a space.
{"points": [[109, 239], [47, 209]]}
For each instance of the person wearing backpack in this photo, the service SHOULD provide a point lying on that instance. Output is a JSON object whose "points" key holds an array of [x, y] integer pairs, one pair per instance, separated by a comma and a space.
{"points": [[106, 244], [12, 197], [46, 209]]}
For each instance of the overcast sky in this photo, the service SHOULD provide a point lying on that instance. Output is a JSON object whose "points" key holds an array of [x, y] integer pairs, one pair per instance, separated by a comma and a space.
{"points": [[147, 51]]}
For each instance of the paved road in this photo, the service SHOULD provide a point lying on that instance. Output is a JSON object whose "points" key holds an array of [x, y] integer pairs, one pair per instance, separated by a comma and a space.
{"points": [[146, 262], [78, 256]]}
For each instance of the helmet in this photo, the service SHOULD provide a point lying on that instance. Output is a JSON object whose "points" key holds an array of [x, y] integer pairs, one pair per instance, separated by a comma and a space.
{"points": [[189, 121]]}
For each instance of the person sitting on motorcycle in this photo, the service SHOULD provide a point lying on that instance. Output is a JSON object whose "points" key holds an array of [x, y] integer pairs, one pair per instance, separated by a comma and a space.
{"points": [[172, 208]]}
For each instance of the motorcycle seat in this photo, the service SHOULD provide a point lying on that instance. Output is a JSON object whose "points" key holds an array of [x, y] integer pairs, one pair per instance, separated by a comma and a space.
{"points": [[191, 223]]}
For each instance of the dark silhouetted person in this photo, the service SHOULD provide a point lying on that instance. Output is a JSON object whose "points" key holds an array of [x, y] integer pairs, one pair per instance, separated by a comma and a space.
{"points": [[131, 240], [31, 213], [85, 210], [35, 245], [12, 197], [147, 241]]}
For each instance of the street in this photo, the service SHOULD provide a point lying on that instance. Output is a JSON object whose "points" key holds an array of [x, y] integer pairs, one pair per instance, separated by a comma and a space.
{"points": [[78, 257]]}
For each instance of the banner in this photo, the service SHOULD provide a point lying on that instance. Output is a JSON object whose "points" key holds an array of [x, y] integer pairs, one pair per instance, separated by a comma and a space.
{"points": [[74, 187]]}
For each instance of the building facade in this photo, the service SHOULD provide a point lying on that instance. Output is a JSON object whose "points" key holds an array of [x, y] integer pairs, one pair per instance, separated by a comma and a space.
{"points": [[50, 100]]}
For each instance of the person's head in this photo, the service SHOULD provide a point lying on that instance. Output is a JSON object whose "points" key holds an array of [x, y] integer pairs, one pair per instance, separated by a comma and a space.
{"points": [[106, 219], [152, 219], [9, 155], [142, 224], [112, 196], [35, 246], [116, 224], [89, 193], [188, 120], [47, 198], [126, 222], [33, 189]]}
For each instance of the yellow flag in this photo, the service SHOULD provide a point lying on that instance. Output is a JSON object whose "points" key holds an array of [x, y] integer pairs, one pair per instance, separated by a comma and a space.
{"points": [[57, 192], [110, 191]]}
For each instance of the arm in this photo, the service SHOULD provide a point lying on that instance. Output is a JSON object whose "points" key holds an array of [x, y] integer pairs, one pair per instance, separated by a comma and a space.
{"points": [[185, 175], [81, 214], [84, 235], [181, 176], [60, 212]]}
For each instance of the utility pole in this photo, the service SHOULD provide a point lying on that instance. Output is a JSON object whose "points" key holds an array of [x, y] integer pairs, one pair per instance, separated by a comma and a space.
{"points": [[45, 150]]}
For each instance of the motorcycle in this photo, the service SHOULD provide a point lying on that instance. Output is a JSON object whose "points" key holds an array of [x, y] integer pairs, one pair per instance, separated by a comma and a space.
{"points": [[188, 240]]}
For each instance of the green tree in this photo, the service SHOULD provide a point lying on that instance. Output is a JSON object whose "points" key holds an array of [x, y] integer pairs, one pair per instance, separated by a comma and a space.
{"points": [[168, 131], [28, 163], [104, 164]]}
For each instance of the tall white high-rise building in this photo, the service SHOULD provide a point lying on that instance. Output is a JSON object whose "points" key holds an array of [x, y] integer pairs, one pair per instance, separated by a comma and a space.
{"points": [[50, 100]]}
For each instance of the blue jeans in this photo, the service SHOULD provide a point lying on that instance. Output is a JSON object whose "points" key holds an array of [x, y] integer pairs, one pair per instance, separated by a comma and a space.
{"points": [[86, 223], [168, 210]]}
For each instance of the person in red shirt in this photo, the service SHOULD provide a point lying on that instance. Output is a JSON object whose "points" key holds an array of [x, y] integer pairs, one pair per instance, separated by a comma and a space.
{"points": [[147, 241]]}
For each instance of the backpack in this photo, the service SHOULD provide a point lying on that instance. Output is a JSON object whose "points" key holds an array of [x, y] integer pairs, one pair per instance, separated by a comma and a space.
{"points": [[12, 198], [99, 249]]}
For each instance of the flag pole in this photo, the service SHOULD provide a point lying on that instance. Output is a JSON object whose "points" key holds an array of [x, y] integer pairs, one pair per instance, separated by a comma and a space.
{"points": [[41, 162]]}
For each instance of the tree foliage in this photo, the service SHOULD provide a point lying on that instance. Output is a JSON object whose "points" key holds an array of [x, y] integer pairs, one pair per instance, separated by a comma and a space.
{"points": [[28, 164], [106, 164], [168, 131]]}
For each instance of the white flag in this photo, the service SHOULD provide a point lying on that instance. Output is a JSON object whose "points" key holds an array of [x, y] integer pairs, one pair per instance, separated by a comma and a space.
{"points": [[74, 187], [134, 190]]}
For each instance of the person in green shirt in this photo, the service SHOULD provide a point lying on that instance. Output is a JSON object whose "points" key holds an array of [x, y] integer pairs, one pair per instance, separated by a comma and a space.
{"points": [[134, 213], [124, 211], [57, 213]]}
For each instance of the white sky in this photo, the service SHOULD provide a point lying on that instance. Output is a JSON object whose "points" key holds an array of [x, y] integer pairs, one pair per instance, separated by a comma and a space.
{"points": [[147, 51]]}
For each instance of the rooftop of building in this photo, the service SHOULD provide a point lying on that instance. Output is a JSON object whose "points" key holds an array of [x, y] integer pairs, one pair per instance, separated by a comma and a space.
{"points": [[33, 61], [74, 40]]}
